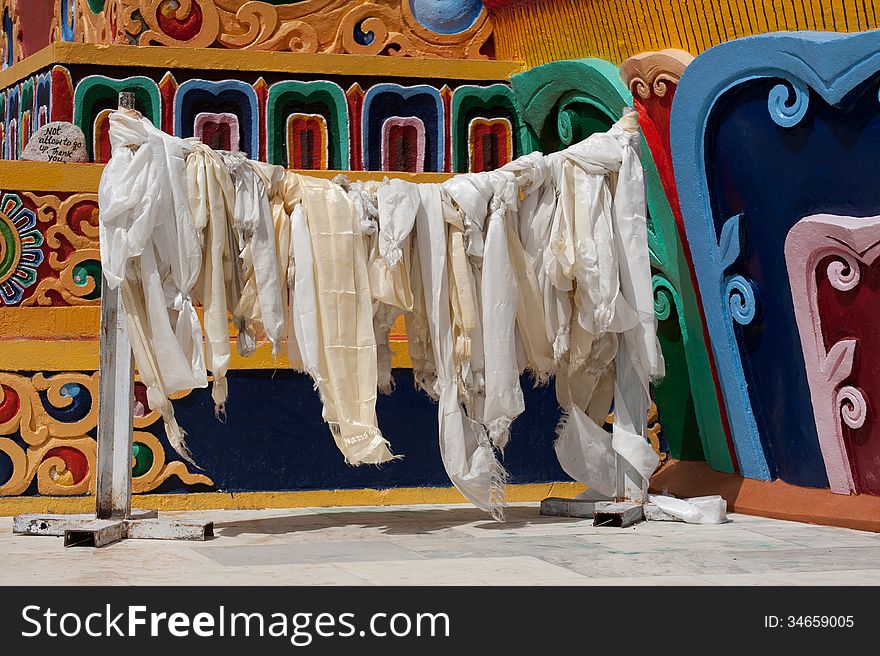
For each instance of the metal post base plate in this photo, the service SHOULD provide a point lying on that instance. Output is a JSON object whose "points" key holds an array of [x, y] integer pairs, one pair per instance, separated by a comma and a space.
{"points": [[556, 507], [612, 513], [619, 515], [87, 531]]}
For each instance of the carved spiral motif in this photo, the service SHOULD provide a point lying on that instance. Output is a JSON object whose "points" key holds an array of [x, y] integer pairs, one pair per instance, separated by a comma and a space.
{"points": [[788, 103], [741, 300], [853, 407], [658, 86], [844, 275], [664, 301], [566, 125], [50, 418]]}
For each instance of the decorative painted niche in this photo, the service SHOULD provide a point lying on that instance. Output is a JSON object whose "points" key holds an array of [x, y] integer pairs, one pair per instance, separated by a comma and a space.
{"points": [[307, 125], [388, 105], [488, 128], [765, 131], [565, 102], [653, 78]]}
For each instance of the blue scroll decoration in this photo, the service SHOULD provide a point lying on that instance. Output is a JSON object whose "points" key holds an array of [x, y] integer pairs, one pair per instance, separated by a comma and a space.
{"points": [[766, 130]]}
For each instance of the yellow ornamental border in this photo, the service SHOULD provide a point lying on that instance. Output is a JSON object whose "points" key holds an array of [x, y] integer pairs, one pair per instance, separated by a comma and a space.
{"points": [[529, 492], [217, 59]]}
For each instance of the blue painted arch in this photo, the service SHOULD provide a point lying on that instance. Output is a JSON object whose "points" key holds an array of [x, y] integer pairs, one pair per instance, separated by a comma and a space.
{"points": [[762, 134]]}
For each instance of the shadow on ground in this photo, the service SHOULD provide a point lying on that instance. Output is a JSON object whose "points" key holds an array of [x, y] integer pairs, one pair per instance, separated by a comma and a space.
{"points": [[391, 522]]}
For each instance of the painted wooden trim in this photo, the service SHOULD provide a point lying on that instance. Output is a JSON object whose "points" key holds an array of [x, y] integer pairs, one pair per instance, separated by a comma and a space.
{"points": [[252, 60], [520, 493], [18, 175], [809, 241], [82, 355]]}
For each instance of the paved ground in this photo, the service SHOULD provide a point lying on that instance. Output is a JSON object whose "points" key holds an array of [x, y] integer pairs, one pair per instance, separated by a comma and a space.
{"points": [[454, 545]]}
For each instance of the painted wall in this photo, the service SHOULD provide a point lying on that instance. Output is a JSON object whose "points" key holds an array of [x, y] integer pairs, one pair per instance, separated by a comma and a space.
{"points": [[759, 156], [343, 123]]}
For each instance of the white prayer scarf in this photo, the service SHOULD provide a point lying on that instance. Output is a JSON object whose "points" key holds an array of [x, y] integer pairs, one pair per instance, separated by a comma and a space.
{"points": [[499, 300], [389, 266], [600, 247], [464, 446], [151, 245], [544, 262], [346, 347], [211, 202], [260, 300]]}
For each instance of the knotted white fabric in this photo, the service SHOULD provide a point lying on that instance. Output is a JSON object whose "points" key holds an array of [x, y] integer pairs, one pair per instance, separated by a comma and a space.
{"points": [[260, 300], [212, 202], [540, 265], [344, 344], [601, 253], [151, 246]]}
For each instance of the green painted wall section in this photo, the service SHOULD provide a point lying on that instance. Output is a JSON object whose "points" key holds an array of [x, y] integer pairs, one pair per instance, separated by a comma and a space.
{"points": [[97, 92], [495, 101], [564, 102], [318, 97]]}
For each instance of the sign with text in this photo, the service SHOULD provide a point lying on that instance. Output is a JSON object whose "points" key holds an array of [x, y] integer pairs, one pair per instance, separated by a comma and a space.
{"points": [[57, 142]]}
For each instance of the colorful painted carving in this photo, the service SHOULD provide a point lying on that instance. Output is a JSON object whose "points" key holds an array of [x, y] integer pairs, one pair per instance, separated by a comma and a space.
{"points": [[95, 95], [20, 249], [236, 99], [54, 257], [47, 426], [388, 102], [653, 78], [830, 262], [496, 132], [453, 28], [302, 124], [751, 121], [307, 125]]}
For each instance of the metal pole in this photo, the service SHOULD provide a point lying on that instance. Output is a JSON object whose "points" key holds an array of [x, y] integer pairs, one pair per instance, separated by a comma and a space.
{"points": [[114, 517], [115, 399]]}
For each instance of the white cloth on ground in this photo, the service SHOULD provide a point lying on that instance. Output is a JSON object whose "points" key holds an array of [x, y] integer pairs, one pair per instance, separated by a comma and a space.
{"points": [[696, 510]]}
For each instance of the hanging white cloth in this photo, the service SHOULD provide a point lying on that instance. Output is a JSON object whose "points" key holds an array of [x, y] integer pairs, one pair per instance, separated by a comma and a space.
{"points": [[260, 300], [464, 445], [344, 345], [542, 264], [151, 246], [601, 252], [212, 202]]}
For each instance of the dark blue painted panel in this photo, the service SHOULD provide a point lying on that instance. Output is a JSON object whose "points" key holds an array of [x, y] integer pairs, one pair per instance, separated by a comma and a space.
{"points": [[274, 438], [386, 100], [196, 96], [775, 176]]}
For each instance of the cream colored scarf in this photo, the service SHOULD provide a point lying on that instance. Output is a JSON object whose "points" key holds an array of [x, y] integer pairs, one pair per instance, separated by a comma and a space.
{"points": [[346, 347], [211, 202]]}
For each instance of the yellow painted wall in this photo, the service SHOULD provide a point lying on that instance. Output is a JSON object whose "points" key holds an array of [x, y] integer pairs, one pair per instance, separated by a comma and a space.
{"points": [[539, 31]]}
